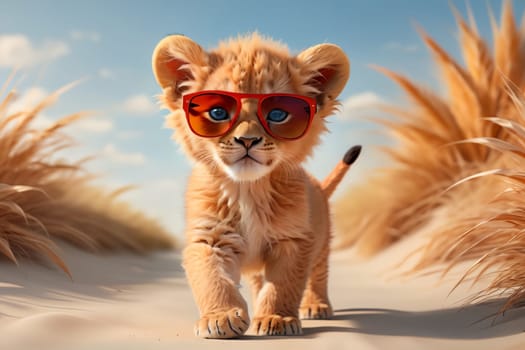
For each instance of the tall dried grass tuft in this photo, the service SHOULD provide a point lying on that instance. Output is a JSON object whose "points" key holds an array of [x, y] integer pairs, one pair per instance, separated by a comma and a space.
{"points": [[495, 236], [43, 199], [428, 156]]}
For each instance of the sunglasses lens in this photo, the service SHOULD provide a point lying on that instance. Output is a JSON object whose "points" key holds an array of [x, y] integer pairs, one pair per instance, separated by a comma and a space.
{"points": [[211, 114], [287, 117]]}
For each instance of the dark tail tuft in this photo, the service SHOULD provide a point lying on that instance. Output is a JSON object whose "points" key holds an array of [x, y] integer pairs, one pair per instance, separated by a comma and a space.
{"points": [[334, 178], [352, 154]]}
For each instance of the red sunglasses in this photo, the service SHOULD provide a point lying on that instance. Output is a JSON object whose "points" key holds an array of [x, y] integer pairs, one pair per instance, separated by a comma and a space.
{"points": [[283, 116]]}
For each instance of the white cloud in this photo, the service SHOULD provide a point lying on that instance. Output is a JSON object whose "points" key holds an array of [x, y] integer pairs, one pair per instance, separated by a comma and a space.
{"points": [[16, 50], [397, 46], [362, 100], [359, 104], [106, 73], [115, 155], [140, 105], [85, 35], [93, 125]]}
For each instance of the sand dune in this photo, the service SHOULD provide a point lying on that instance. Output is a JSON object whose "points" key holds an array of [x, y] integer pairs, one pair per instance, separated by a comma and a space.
{"points": [[132, 302]]}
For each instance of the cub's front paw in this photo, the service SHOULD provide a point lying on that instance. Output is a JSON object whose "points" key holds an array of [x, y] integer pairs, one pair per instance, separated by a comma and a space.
{"points": [[315, 311], [276, 325], [224, 324]]}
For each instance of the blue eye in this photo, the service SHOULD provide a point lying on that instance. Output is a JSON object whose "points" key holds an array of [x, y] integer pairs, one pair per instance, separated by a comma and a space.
{"points": [[277, 116], [218, 114]]}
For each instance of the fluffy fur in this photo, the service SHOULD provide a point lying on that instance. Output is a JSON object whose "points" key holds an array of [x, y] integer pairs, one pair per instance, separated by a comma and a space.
{"points": [[43, 199], [266, 219]]}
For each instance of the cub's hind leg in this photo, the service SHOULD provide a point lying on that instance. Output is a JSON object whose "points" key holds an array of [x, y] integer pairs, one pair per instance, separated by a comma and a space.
{"points": [[315, 303]]}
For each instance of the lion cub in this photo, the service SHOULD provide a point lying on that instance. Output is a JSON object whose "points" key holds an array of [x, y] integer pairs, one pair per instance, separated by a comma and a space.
{"points": [[248, 114]]}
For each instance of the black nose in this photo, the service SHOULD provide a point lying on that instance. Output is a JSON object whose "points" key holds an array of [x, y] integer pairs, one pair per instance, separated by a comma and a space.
{"points": [[248, 142]]}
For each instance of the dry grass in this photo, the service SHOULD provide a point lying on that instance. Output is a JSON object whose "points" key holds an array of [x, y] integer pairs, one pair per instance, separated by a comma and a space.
{"points": [[429, 155], [495, 236], [43, 199]]}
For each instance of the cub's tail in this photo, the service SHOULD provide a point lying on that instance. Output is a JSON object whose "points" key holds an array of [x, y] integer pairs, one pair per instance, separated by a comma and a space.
{"points": [[334, 178]]}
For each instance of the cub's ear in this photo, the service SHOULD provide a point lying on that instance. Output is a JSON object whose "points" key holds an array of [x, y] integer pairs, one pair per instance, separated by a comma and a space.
{"points": [[176, 62], [328, 67]]}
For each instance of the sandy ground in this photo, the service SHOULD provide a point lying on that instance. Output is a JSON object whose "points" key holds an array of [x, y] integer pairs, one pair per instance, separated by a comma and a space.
{"points": [[130, 302]]}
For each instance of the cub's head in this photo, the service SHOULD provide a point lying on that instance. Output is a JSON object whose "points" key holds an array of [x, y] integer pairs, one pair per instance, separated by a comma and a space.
{"points": [[248, 107]]}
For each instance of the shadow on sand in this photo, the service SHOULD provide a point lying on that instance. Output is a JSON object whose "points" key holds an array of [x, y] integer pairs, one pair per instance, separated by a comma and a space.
{"points": [[482, 321]]}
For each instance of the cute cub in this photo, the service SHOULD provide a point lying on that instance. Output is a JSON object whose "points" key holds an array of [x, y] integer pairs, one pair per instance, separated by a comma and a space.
{"points": [[248, 114]]}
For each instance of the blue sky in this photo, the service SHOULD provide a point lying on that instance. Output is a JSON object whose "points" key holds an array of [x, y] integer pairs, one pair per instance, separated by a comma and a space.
{"points": [[108, 44]]}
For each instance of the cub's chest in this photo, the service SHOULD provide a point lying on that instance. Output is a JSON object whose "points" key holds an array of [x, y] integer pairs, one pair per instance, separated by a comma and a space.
{"points": [[266, 215], [255, 231], [255, 221], [253, 208]]}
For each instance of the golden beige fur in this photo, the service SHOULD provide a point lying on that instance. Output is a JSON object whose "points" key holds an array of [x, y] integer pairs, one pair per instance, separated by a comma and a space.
{"points": [[44, 199], [267, 219]]}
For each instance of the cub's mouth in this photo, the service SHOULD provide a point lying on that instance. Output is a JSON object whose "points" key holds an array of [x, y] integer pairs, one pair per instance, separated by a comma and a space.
{"points": [[247, 158], [247, 167]]}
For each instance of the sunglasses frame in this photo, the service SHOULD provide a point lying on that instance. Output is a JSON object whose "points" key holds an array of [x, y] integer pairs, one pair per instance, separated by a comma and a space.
{"points": [[239, 96]]}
